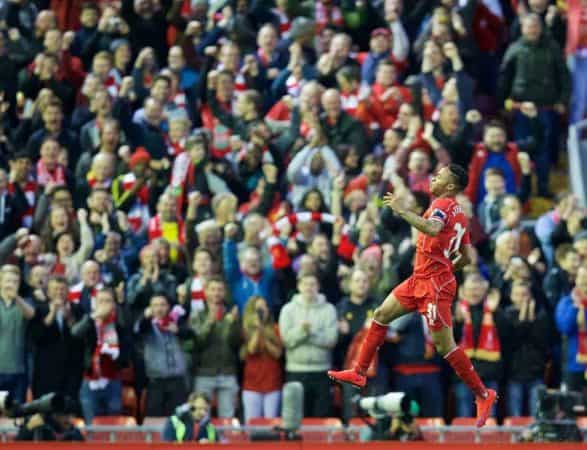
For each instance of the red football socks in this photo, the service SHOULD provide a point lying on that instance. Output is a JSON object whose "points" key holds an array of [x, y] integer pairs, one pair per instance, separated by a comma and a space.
{"points": [[461, 364], [373, 340]]}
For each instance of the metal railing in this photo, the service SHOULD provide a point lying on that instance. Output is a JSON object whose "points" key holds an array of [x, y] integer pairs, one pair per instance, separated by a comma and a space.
{"points": [[151, 433]]}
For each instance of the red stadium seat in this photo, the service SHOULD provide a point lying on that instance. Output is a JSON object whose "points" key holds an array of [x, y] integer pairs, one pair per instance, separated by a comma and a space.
{"points": [[114, 420], [264, 422], [520, 421], [470, 421], [356, 424], [230, 435], [429, 421], [430, 435], [336, 434], [154, 422], [118, 421], [474, 434]]}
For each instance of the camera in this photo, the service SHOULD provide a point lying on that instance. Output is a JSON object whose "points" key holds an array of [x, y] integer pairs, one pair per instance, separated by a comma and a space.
{"points": [[394, 414], [48, 403], [556, 416]]}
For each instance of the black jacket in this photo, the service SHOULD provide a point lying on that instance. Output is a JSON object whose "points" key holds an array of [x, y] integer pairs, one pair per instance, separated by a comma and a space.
{"points": [[57, 357], [528, 348], [85, 330]]}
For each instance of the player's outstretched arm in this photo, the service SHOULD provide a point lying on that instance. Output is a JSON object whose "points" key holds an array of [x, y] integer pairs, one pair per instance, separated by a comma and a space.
{"points": [[430, 227]]}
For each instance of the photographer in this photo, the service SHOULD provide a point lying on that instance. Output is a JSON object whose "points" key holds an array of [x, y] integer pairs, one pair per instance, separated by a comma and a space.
{"points": [[49, 427], [261, 353], [191, 422]]}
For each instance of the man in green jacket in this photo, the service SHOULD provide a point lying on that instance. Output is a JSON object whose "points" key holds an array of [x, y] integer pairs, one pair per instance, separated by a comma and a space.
{"points": [[533, 70], [217, 345]]}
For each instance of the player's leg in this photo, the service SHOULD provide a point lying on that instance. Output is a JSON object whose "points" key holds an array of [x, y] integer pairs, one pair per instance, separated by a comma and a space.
{"points": [[443, 339], [389, 310]]}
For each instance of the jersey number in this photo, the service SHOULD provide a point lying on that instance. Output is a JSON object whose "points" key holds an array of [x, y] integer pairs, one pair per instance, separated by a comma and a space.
{"points": [[455, 242]]}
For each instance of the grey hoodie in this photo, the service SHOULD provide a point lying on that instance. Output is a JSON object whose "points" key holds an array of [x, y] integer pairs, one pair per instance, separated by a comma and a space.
{"points": [[308, 352]]}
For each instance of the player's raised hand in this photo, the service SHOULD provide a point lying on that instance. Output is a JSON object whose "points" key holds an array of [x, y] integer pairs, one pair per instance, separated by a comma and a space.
{"points": [[393, 201]]}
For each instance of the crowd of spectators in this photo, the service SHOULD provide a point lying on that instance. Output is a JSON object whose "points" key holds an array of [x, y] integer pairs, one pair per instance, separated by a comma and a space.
{"points": [[190, 197]]}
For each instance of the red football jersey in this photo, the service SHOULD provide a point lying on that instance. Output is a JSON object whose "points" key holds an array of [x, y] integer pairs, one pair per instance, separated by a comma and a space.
{"points": [[434, 254]]}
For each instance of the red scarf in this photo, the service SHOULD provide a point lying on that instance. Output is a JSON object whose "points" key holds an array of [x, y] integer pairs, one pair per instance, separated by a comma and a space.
{"points": [[582, 329], [198, 296], [30, 192], [107, 349], [488, 347], [46, 176]]}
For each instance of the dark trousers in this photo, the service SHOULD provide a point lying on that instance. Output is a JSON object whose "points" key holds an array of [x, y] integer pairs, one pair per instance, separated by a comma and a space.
{"points": [[16, 384], [317, 398], [164, 395], [425, 388]]}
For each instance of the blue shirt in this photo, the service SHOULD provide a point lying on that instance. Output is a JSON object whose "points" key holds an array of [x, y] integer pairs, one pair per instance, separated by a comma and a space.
{"points": [[497, 160]]}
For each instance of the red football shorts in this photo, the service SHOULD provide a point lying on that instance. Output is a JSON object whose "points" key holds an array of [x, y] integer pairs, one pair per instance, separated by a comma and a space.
{"points": [[421, 294]]}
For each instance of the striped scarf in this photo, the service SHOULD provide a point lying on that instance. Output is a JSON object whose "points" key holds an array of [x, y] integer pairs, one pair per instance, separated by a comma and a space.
{"points": [[488, 347]]}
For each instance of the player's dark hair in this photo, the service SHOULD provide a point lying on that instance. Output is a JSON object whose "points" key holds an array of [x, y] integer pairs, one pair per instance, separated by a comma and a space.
{"points": [[460, 176]]}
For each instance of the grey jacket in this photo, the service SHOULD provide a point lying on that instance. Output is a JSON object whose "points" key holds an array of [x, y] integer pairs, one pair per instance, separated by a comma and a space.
{"points": [[308, 352]]}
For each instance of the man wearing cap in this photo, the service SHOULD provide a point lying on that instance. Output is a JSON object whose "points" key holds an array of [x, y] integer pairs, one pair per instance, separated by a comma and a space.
{"points": [[131, 192], [379, 50]]}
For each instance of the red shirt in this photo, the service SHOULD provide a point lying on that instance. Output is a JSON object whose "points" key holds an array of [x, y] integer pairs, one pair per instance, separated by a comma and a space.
{"points": [[434, 253], [262, 372]]}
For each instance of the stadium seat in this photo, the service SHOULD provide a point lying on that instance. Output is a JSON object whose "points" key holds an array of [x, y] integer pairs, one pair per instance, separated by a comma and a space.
{"points": [[335, 433], [429, 421], [264, 422], [474, 434], [230, 435], [154, 422], [518, 421], [133, 435], [430, 435], [115, 420], [355, 426], [470, 421]]}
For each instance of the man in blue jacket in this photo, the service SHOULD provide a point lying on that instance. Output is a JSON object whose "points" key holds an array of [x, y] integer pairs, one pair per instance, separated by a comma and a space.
{"points": [[248, 277], [571, 321]]}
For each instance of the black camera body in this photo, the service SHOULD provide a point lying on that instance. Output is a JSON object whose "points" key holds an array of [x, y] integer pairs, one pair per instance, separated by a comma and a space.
{"points": [[556, 416], [48, 403]]}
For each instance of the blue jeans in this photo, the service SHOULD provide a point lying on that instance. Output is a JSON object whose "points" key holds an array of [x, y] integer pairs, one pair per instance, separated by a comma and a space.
{"points": [[465, 399], [425, 388], [101, 402], [523, 397], [16, 384], [579, 97], [547, 149]]}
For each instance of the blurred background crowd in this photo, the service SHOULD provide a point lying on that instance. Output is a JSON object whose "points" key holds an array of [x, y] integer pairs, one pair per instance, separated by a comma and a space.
{"points": [[190, 197]]}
